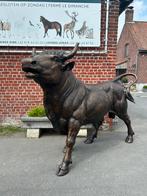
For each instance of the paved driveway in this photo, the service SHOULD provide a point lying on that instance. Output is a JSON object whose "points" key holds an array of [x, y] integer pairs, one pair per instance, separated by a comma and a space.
{"points": [[109, 167]]}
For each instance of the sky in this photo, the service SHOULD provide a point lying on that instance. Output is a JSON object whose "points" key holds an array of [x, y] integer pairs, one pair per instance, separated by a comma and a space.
{"points": [[140, 13]]}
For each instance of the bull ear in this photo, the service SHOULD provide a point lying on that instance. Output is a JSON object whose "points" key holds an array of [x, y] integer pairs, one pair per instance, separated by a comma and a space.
{"points": [[69, 66]]}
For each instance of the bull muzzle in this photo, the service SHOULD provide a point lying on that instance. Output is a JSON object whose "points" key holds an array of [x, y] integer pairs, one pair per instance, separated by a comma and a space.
{"points": [[26, 61]]}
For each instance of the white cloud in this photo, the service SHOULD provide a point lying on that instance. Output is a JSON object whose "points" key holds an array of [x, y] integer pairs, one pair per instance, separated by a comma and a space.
{"points": [[140, 10]]}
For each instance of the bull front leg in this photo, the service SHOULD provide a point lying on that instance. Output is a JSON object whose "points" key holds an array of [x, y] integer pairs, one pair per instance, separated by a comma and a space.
{"points": [[73, 130], [93, 133]]}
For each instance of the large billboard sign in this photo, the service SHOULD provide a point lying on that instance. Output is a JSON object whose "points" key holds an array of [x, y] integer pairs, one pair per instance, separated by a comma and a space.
{"points": [[50, 23]]}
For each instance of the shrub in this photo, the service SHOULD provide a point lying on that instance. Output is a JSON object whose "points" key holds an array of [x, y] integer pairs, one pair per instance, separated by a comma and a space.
{"points": [[37, 111], [145, 86], [124, 80]]}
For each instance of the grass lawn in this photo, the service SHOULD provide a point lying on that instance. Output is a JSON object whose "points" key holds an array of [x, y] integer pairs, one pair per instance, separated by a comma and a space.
{"points": [[10, 130]]}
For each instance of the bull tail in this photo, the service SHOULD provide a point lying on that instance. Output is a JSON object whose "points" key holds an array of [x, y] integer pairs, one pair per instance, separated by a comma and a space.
{"points": [[124, 75], [130, 83], [129, 96], [127, 86]]}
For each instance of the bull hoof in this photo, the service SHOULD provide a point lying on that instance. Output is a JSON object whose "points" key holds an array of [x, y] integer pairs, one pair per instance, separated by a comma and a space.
{"points": [[63, 169], [129, 139], [62, 172], [88, 141]]}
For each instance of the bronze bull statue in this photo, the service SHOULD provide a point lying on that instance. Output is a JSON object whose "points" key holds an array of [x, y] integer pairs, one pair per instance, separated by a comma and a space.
{"points": [[69, 103]]}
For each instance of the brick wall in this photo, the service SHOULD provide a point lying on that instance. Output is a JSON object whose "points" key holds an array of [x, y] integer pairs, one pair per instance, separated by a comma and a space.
{"points": [[18, 94]]}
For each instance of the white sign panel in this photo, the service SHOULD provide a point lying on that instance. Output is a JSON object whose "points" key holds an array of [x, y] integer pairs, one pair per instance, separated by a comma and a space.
{"points": [[46, 23]]}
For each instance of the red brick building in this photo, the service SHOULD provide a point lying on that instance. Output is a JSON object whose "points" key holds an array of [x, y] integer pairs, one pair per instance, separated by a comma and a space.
{"points": [[132, 49], [93, 65]]}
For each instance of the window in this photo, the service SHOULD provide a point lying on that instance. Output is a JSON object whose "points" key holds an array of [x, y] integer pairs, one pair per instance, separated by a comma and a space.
{"points": [[126, 50]]}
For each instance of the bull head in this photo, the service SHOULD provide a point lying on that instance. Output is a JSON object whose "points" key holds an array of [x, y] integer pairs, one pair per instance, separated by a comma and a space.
{"points": [[46, 68]]}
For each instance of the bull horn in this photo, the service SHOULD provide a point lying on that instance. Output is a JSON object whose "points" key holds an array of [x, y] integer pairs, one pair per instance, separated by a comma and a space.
{"points": [[72, 53], [33, 51]]}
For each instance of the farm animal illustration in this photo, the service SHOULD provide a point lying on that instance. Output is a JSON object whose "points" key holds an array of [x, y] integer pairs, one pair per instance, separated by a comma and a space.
{"points": [[51, 25], [82, 31], [30, 23], [5, 26], [90, 33], [69, 27]]}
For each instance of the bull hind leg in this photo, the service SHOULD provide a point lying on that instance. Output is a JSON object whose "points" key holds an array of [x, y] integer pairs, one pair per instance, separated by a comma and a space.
{"points": [[126, 119]]}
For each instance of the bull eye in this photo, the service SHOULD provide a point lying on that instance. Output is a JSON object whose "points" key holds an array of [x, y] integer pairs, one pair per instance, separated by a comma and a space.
{"points": [[33, 62]]}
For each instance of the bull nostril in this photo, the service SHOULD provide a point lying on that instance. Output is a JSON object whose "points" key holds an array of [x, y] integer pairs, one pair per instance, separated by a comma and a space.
{"points": [[33, 62]]}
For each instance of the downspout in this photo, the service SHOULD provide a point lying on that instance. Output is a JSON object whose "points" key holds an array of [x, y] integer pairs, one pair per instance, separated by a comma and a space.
{"points": [[107, 23], [136, 71], [137, 60]]}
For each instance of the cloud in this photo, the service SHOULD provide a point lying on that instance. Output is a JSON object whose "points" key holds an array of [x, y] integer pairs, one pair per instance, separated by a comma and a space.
{"points": [[140, 10]]}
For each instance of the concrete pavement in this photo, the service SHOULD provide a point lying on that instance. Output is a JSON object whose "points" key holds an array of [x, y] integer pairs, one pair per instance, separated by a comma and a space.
{"points": [[108, 167]]}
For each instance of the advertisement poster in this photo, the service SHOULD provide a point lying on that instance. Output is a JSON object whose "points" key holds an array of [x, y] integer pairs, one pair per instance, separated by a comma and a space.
{"points": [[50, 23]]}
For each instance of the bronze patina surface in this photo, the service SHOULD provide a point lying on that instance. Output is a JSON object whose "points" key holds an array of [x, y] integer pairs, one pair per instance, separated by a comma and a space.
{"points": [[69, 103]]}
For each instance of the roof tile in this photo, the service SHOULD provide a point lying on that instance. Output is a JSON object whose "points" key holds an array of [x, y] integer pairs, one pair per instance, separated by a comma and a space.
{"points": [[139, 32]]}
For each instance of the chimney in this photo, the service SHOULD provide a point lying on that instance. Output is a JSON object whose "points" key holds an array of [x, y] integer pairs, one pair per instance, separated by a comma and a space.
{"points": [[129, 14]]}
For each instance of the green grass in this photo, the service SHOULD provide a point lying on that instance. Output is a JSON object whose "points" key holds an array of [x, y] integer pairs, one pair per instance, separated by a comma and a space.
{"points": [[145, 86], [10, 130]]}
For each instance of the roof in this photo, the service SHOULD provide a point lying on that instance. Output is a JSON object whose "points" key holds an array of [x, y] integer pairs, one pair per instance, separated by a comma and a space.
{"points": [[139, 32], [122, 62]]}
